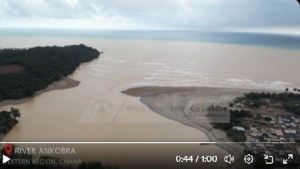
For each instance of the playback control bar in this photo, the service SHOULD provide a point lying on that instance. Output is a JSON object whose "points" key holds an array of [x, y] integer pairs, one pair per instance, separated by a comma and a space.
{"points": [[248, 159], [181, 156]]}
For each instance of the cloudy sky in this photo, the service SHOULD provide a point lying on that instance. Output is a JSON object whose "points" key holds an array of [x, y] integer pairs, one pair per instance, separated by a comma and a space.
{"points": [[260, 15]]}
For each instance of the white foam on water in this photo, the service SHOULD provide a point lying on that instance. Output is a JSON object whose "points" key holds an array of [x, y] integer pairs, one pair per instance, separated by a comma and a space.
{"points": [[251, 83], [114, 60]]}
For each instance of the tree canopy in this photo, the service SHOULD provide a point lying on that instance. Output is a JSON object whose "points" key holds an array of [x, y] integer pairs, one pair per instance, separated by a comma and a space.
{"points": [[42, 66], [8, 119], [290, 101]]}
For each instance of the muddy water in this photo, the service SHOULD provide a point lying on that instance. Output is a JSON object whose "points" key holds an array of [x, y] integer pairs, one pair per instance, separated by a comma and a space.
{"points": [[96, 110]]}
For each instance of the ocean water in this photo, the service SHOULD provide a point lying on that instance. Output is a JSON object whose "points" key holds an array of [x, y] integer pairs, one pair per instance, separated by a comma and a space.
{"points": [[257, 39]]}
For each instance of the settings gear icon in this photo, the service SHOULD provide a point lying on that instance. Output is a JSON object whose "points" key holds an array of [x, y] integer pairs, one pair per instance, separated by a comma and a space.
{"points": [[248, 159]]}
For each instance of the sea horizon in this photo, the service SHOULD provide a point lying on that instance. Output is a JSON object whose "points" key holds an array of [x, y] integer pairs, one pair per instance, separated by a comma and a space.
{"points": [[283, 41]]}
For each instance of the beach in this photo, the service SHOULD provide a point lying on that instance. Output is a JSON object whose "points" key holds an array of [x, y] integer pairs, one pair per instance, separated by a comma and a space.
{"points": [[72, 112]]}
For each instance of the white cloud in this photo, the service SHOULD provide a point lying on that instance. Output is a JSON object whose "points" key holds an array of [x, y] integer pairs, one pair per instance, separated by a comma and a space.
{"points": [[144, 14]]}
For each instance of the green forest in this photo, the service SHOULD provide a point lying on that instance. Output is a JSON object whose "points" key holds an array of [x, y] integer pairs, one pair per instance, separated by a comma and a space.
{"points": [[42, 66], [287, 100], [8, 119]]}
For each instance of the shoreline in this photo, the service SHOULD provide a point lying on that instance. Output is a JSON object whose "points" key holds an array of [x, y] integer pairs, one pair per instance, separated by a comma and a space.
{"points": [[162, 96], [63, 83]]}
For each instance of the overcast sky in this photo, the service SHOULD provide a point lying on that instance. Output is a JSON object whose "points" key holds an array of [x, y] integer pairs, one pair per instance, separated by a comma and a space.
{"points": [[152, 14]]}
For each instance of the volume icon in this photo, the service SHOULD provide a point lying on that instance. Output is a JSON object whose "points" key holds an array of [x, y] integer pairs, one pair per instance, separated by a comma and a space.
{"points": [[229, 159]]}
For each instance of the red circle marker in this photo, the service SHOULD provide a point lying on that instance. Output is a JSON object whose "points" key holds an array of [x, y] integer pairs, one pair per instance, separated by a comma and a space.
{"points": [[8, 149]]}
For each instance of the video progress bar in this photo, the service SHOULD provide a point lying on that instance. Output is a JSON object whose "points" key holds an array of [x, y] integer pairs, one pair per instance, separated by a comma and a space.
{"points": [[141, 142]]}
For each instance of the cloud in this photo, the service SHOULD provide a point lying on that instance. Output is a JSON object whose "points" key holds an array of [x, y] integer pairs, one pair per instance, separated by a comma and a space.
{"points": [[144, 14]]}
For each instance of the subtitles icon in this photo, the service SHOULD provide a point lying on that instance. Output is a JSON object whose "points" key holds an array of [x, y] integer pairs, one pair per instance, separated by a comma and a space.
{"points": [[229, 159]]}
